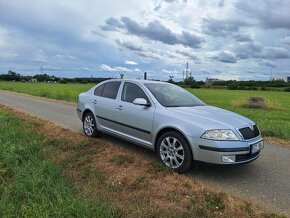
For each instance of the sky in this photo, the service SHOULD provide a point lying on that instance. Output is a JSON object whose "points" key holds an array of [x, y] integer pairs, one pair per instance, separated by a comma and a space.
{"points": [[224, 39]]}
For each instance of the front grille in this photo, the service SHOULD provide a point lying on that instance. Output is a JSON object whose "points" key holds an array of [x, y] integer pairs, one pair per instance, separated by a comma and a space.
{"points": [[245, 157], [247, 133]]}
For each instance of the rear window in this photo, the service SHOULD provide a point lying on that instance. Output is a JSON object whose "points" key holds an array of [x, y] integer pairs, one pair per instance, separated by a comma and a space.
{"points": [[110, 90]]}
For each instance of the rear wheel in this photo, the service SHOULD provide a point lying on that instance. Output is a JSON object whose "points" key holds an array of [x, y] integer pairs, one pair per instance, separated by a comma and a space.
{"points": [[90, 126], [174, 151]]}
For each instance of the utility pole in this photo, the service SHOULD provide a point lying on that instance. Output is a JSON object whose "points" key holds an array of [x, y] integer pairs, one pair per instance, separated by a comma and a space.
{"points": [[41, 69], [186, 70]]}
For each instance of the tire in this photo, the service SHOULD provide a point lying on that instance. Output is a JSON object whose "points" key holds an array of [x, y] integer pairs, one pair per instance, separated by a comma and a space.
{"points": [[90, 126], [174, 151]]}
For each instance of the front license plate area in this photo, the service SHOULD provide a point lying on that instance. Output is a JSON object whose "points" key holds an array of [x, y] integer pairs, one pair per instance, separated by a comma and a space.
{"points": [[257, 147]]}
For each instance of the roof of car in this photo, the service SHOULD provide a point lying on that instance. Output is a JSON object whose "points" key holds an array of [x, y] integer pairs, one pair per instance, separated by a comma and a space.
{"points": [[137, 80]]}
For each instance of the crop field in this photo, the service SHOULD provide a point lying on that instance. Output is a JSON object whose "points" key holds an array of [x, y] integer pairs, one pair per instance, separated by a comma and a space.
{"points": [[273, 121]]}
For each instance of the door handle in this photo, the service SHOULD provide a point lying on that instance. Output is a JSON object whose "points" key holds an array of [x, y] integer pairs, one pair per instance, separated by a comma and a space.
{"points": [[95, 101], [120, 107]]}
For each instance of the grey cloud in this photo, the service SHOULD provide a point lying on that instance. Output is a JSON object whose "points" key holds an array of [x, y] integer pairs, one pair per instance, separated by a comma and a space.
{"points": [[242, 38], [275, 53], [157, 7], [268, 64], [128, 45], [112, 24], [187, 54], [255, 50], [204, 71], [154, 31], [218, 71], [285, 40], [219, 27], [247, 50], [221, 3], [271, 14], [225, 57]]}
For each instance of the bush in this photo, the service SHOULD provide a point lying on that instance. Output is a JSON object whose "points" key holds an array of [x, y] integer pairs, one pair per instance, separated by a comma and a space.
{"points": [[233, 86], [195, 85], [287, 89]]}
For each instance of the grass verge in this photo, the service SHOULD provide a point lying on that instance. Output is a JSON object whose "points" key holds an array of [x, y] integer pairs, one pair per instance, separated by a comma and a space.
{"points": [[32, 185], [103, 172]]}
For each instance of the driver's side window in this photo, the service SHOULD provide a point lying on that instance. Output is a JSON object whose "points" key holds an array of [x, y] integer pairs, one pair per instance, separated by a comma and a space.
{"points": [[132, 91]]}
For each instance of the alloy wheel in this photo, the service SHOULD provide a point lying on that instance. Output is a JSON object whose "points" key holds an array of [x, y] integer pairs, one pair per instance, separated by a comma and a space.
{"points": [[171, 152], [89, 125]]}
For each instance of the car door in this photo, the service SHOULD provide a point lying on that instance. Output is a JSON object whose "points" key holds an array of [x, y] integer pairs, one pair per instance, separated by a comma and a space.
{"points": [[135, 120], [105, 104]]}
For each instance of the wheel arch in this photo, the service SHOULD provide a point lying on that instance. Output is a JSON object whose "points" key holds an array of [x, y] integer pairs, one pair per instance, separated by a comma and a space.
{"points": [[87, 110], [168, 129]]}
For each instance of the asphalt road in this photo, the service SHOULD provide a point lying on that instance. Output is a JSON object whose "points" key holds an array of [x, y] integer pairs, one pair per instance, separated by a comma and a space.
{"points": [[266, 180]]}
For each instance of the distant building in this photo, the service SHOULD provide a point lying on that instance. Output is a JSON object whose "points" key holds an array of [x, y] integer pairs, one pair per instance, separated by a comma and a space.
{"points": [[211, 80], [288, 78], [33, 80], [278, 79]]}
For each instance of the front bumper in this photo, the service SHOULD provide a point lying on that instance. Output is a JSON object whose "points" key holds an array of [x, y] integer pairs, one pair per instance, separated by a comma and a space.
{"points": [[218, 152]]}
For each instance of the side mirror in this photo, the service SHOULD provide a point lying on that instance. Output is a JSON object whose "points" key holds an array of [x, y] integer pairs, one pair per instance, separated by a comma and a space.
{"points": [[141, 101]]}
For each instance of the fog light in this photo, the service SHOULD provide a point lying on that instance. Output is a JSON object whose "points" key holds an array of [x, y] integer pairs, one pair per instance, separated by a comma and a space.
{"points": [[229, 158]]}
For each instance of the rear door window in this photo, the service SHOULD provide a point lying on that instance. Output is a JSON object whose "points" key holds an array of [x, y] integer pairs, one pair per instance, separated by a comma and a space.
{"points": [[110, 89], [99, 90]]}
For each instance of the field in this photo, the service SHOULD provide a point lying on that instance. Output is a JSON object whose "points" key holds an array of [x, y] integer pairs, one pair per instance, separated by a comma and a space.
{"points": [[66, 92], [274, 121]]}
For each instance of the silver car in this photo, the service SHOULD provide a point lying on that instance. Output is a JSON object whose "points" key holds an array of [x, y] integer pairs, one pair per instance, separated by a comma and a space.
{"points": [[169, 120]]}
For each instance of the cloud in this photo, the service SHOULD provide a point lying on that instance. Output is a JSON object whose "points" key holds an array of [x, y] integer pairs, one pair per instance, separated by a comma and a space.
{"points": [[131, 62], [271, 14], [285, 40], [268, 64], [187, 54], [154, 31], [128, 45], [107, 68], [225, 57], [256, 50], [247, 50], [221, 3], [242, 37], [204, 71], [79, 40], [222, 27], [275, 53]]}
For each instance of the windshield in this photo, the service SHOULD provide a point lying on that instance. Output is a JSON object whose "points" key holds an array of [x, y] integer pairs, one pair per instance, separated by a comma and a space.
{"points": [[170, 95]]}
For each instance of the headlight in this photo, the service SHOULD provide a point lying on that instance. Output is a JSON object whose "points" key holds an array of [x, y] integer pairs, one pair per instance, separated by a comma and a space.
{"points": [[220, 134]]}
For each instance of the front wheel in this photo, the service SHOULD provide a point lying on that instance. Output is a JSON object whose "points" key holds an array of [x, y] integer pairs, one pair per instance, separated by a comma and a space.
{"points": [[174, 151], [90, 126]]}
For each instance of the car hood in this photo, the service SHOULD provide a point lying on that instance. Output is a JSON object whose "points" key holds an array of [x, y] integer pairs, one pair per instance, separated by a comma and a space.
{"points": [[211, 117]]}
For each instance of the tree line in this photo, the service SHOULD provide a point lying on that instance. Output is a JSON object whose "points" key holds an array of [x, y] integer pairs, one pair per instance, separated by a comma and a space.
{"points": [[13, 76]]}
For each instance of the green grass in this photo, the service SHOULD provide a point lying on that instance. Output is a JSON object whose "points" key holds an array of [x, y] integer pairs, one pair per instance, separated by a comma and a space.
{"points": [[66, 92], [33, 186], [273, 121]]}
